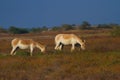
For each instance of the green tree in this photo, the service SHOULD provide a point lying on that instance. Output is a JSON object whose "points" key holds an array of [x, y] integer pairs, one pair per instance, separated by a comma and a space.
{"points": [[36, 30], [67, 27], [85, 25], [16, 30]]}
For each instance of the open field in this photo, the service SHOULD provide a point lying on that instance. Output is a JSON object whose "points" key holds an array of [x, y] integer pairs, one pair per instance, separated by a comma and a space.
{"points": [[100, 60]]}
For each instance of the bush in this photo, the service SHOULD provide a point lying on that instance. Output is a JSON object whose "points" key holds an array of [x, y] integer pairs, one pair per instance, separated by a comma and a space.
{"points": [[116, 31], [39, 29], [56, 28], [85, 25], [2, 30], [66, 27], [16, 30]]}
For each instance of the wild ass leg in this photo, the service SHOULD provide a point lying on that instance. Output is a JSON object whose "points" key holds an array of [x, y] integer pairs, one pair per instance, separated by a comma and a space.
{"points": [[60, 47], [57, 46], [73, 47], [13, 50], [31, 50]]}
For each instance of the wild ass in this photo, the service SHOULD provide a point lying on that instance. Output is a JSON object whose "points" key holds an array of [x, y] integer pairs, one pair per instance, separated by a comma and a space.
{"points": [[25, 44], [66, 39]]}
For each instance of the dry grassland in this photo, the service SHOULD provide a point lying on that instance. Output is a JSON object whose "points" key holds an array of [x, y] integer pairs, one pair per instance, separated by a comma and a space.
{"points": [[100, 60]]}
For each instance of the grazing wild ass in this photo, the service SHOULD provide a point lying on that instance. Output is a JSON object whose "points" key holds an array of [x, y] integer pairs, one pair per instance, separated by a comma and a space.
{"points": [[25, 44], [66, 39]]}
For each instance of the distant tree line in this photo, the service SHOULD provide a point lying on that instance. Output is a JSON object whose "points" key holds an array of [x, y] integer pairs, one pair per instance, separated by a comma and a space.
{"points": [[85, 25]]}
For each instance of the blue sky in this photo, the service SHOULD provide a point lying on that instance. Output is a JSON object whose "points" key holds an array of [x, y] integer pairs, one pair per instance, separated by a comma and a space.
{"points": [[38, 13]]}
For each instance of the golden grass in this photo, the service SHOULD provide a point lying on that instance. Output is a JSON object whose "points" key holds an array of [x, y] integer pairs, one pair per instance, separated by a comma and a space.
{"points": [[100, 60], [61, 66]]}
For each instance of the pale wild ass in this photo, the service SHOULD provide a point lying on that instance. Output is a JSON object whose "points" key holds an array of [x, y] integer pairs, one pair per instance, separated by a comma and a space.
{"points": [[66, 39], [25, 44]]}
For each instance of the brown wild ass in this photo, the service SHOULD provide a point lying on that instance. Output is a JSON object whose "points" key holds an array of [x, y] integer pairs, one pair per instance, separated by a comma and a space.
{"points": [[66, 39], [25, 44]]}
